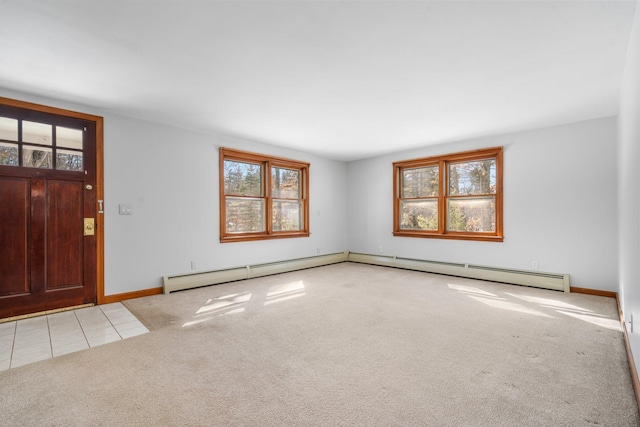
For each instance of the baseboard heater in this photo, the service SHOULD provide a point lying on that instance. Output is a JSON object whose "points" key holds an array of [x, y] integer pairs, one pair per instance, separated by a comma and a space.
{"points": [[194, 280], [553, 281]]}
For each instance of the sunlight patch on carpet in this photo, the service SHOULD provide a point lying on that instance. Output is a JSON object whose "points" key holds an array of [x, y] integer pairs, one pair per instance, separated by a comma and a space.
{"points": [[237, 302], [612, 324], [285, 292], [470, 290], [551, 303], [224, 302], [511, 306]]}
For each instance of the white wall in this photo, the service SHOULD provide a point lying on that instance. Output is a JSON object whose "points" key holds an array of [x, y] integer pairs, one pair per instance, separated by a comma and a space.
{"points": [[629, 188], [170, 177], [559, 205], [561, 214]]}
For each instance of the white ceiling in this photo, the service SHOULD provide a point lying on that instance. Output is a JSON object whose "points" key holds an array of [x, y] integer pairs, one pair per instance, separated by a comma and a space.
{"points": [[341, 79]]}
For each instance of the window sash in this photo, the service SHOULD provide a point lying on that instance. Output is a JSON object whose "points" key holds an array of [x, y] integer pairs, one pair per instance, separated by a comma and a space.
{"points": [[419, 214], [478, 212], [240, 178], [475, 213], [244, 214]]}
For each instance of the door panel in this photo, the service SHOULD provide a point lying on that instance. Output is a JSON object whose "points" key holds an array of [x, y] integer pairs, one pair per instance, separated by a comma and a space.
{"points": [[14, 235], [64, 231]]}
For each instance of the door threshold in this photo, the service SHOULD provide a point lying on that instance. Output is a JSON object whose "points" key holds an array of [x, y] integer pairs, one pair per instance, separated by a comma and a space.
{"points": [[44, 313]]}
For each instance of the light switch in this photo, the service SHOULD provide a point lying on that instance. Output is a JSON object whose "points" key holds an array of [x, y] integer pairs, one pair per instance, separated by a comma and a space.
{"points": [[126, 209]]}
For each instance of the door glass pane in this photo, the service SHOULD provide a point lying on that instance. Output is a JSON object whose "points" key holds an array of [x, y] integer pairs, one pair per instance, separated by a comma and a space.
{"points": [[244, 215], [8, 129], [285, 183], [36, 157], [419, 214], [287, 215], [472, 214], [36, 133], [9, 154], [242, 179], [69, 138], [67, 160], [420, 182], [468, 178]]}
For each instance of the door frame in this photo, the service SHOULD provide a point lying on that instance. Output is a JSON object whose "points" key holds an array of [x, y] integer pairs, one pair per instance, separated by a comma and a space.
{"points": [[99, 220]]}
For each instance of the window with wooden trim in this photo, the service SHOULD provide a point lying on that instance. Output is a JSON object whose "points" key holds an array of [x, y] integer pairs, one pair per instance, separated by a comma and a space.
{"points": [[262, 197], [455, 196]]}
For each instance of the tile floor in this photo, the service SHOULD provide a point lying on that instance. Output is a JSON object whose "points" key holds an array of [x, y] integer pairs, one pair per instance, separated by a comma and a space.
{"points": [[38, 338]]}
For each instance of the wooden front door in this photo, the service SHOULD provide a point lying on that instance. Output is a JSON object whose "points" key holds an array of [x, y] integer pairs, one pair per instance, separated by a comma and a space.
{"points": [[47, 189]]}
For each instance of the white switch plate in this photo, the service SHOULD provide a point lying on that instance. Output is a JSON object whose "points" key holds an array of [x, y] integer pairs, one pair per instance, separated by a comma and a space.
{"points": [[126, 209]]}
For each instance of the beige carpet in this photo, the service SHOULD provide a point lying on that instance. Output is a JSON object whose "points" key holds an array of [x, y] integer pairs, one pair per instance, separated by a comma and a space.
{"points": [[343, 345]]}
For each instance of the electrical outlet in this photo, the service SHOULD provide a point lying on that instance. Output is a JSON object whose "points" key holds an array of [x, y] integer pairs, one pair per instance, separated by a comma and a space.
{"points": [[193, 265], [534, 265], [380, 249], [631, 324]]}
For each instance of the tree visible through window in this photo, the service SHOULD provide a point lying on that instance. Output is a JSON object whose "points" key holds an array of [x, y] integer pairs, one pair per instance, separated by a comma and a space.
{"points": [[457, 196], [262, 197]]}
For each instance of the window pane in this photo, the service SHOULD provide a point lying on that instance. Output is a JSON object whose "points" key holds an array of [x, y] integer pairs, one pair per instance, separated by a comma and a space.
{"points": [[244, 215], [9, 154], [287, 215], [469, 178], [8, 128], [69, 160], [37, 133], [242, 179], [36, 157], [419, 215], [285, 183], [472, 214], [68, 138], [420, 182]]}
